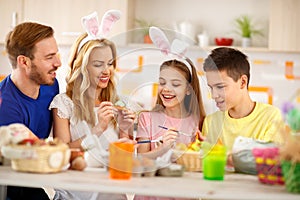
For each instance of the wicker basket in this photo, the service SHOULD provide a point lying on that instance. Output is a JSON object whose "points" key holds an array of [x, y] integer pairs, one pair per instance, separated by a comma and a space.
{"points": [[37, 159], [268, 165], [192, 161], [291, 172]]}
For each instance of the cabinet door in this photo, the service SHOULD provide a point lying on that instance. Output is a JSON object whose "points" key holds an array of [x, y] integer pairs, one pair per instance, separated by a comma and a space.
{"points": [[10, 15], [65, 16], [284, 25]]}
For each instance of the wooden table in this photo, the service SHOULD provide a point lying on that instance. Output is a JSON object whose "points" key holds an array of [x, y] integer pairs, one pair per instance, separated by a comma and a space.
{"points": [[191, 185]]}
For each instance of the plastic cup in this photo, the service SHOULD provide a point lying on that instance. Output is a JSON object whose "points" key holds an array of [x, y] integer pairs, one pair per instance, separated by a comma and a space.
{"points": [[214, 163], [120, 160]]}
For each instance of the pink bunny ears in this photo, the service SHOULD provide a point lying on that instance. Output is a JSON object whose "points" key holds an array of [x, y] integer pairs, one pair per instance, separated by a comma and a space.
{"points": [[176, 50], [94, 30]]}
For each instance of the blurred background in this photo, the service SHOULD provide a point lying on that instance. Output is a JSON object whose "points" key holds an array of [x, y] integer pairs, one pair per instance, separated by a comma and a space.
{"points": [[274, 51]]}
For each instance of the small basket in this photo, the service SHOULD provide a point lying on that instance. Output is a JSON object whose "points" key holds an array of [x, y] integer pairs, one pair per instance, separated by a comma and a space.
{"points": [[268, 165], [291, 172], [36, 158], [192, 161]]}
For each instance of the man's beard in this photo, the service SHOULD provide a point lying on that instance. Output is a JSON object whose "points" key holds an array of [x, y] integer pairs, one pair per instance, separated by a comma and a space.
{"points": [[37, 77]]}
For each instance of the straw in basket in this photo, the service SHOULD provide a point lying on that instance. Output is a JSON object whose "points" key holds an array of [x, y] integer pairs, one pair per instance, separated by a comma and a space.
{"points": [[37, 159], [191, 161]]}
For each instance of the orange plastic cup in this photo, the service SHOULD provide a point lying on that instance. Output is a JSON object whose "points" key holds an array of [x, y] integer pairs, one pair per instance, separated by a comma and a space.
{"points": [[120, 160]]}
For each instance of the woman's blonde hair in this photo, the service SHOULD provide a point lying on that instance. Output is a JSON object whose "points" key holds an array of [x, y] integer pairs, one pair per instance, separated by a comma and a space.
{"points": [[193, 103], [78, 80]]}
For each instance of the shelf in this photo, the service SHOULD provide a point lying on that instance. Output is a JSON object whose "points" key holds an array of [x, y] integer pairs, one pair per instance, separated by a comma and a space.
{"points": [[209, 48]]}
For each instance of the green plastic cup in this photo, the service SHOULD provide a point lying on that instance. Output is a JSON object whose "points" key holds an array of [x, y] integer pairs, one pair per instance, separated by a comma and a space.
{"points": [[214, 163]]}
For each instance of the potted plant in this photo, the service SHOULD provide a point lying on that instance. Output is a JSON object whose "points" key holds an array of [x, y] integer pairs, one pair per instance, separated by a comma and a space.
{"points": [[144, 26], [246, 29], [290, 150]]}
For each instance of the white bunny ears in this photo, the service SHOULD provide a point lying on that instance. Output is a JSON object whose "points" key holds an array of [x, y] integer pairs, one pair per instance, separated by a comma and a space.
{"points": [[94, 30], [176, 50]]}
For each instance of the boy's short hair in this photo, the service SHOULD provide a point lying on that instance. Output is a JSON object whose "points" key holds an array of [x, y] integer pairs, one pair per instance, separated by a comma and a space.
{"points": [[234, 62]]}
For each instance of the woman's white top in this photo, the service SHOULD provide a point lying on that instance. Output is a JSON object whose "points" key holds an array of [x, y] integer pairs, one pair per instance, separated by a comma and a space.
{"points": [[97, 146]]}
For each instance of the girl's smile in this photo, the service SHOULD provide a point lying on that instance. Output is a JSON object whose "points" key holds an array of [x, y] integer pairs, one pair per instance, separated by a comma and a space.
{"points": [[172, 87]]}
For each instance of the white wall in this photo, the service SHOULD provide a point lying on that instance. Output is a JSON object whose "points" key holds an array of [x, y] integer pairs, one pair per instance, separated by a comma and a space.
{"points": [[267, 70], [4, 63], [214, 16]]}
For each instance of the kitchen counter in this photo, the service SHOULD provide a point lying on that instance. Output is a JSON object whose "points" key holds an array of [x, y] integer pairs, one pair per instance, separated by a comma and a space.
{"points": [[191, 185]]}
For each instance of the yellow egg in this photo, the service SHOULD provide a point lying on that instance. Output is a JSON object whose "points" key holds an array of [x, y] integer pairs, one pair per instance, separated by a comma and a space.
{"points": [[195, 146], [181, 146]]}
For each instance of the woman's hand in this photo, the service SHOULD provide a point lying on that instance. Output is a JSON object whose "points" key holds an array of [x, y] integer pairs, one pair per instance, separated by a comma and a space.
{"points": [[105, 113], [169, 138], [126, 140], [126, 120]]}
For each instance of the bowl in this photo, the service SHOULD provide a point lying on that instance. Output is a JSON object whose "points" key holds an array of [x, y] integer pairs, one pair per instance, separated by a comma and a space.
{"points": [[223, 41]]}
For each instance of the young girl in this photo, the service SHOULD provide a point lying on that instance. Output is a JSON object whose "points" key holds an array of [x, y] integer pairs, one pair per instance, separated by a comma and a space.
{"points": [[179, 112]]}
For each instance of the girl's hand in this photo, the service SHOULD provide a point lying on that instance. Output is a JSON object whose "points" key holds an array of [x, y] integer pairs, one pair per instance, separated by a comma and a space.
{"points": [[105, 113], [126, 120], [169, 138]]}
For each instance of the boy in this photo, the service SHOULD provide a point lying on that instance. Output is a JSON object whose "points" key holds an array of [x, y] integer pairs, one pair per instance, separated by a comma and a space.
{"points": [[228, 74]]}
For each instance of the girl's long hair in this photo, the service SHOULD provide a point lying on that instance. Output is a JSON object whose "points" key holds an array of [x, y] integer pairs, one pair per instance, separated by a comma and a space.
{"points": [[193, 103]]}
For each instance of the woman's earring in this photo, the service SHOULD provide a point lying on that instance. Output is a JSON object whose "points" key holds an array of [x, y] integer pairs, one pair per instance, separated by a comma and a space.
{"points": [[188, 92]]}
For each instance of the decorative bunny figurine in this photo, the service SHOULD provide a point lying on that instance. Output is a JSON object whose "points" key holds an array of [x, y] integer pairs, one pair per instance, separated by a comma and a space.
{"points": [[94, 30], [176, 50], [14, 133]]}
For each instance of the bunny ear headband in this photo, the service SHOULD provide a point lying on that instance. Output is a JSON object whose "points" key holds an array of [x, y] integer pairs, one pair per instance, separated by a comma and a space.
{"points": [[94, 30], [176, 50]]}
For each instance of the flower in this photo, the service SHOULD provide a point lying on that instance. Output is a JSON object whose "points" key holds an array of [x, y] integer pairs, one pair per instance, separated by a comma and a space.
{"points": [[292, 116]]}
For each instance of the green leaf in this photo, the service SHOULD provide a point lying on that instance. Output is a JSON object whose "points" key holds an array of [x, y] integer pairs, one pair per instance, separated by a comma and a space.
{"points": [[245, 27], [143, 25]]}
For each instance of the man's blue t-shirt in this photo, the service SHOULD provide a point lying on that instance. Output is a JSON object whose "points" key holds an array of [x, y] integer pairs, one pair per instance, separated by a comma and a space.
{"points": [[19, 108]]}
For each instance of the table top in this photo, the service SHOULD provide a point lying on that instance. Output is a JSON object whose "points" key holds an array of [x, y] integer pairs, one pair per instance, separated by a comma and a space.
{"points": [[191, 185]]}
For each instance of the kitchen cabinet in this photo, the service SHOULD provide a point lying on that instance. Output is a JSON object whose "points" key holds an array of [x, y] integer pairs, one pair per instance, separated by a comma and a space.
{"points": [[65, 16], [10, 13], [284, 28]]}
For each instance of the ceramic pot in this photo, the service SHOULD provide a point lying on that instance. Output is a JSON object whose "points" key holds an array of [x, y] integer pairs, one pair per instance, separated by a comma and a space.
{"points": [[246, 42], [147, 39]]}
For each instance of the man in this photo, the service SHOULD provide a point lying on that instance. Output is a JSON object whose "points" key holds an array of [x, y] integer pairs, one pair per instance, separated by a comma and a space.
{"points": [[27, 92]]}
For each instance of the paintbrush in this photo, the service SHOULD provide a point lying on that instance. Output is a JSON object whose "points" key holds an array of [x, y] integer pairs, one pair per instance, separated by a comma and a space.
{"points": [[179, 132], [148, 141]]}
